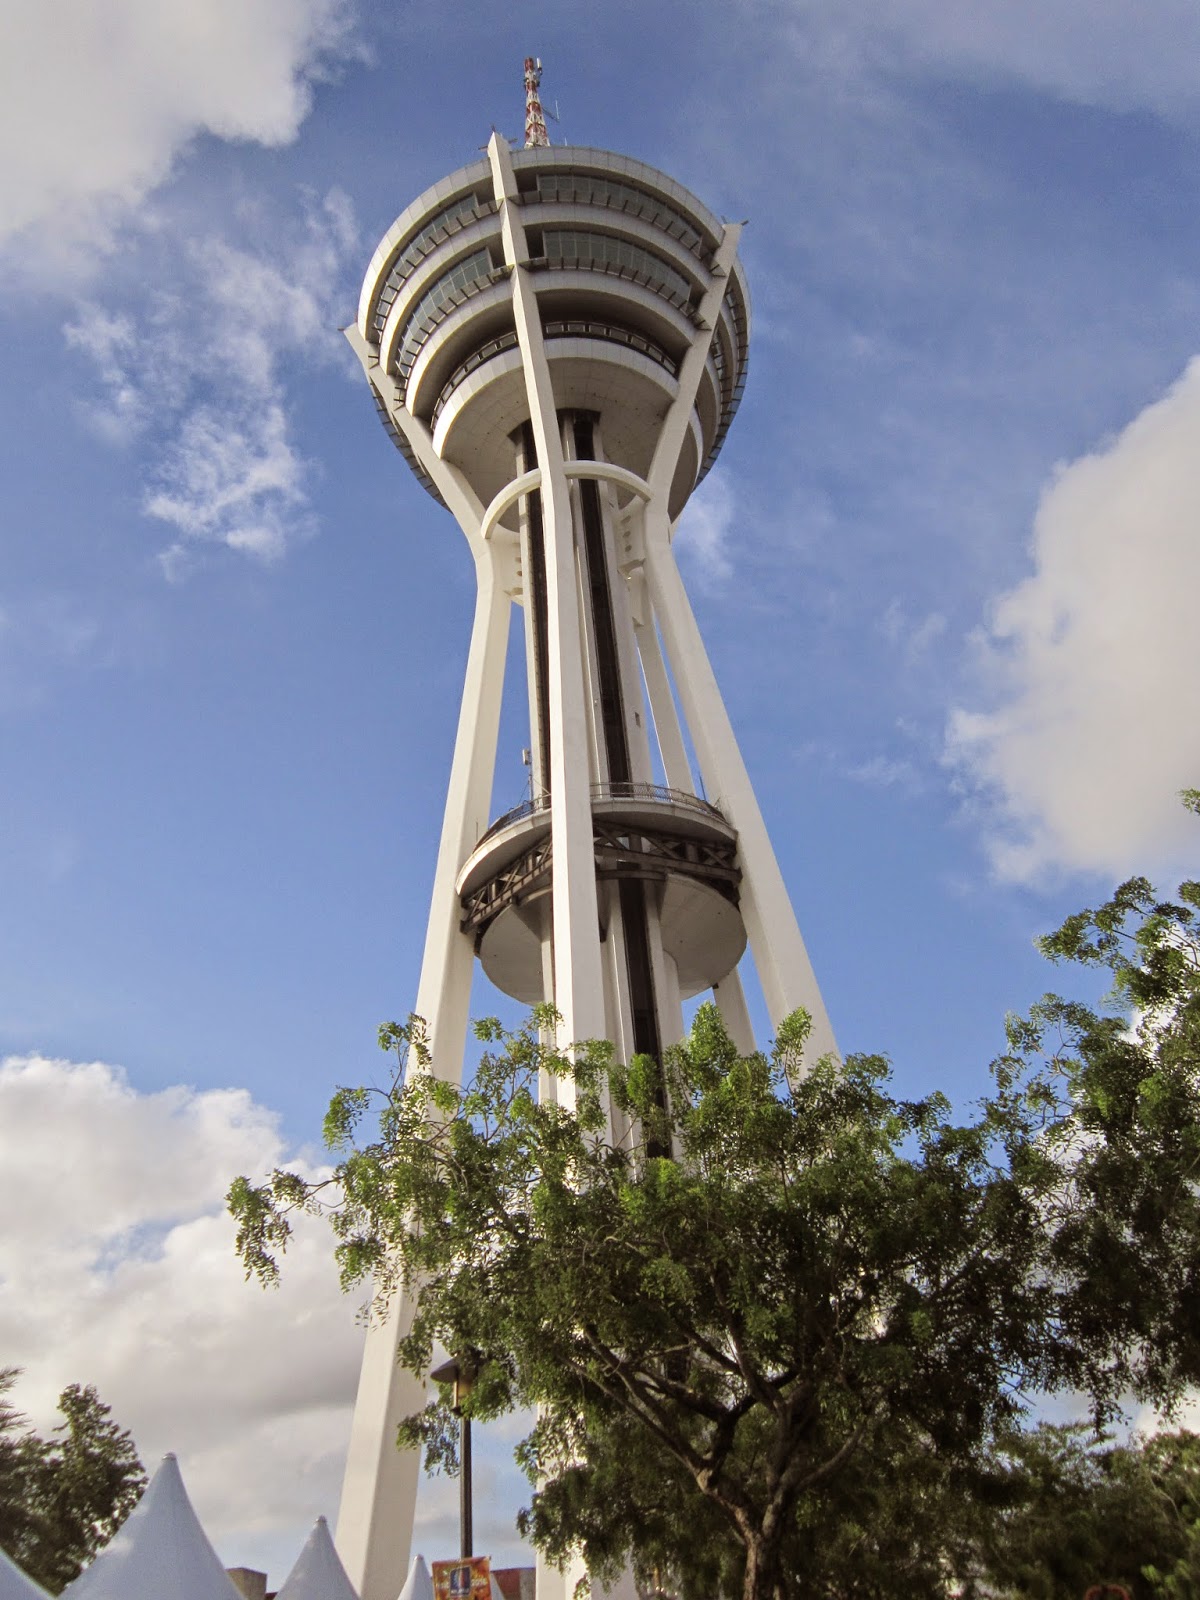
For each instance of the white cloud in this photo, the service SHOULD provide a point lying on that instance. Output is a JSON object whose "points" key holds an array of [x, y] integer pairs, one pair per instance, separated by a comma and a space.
{"points": [[1107, 53], [704, 530], [1096, 724], [885, 772], [232, 478], [98, 97], [195, 378], [909, 635], [118, 1270]]}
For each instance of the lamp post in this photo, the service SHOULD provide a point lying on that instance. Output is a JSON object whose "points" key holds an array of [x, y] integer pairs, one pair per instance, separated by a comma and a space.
{"points": [[460, 1371]]}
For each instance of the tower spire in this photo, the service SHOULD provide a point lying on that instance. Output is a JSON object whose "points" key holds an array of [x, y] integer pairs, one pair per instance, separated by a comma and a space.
{"points": [[535, 120]]}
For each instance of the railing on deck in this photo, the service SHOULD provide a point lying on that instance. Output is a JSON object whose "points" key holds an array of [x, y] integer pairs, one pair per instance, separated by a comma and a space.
{"points": [[655, 793]]}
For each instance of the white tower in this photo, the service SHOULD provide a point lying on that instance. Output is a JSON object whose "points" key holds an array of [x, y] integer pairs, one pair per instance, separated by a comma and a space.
{"points": [[556, 339]]}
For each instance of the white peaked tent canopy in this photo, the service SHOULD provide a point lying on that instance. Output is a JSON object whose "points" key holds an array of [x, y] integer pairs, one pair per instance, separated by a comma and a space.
{"points": [[318, 1574], [14, 1585], [160, 1552], [418, 1585]]}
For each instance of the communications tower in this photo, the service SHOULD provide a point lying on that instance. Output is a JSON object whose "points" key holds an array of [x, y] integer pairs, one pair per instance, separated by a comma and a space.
{"points": [[556, 339]]}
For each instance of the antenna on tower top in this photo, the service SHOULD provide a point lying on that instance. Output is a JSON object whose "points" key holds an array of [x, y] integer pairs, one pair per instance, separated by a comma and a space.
{"points": [[535, 119]]}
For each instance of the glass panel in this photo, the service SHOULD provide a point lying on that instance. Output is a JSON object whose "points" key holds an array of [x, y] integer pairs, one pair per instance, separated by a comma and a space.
{"points": [[586, 188], [424, 316], [570, 247], [465, 209]]}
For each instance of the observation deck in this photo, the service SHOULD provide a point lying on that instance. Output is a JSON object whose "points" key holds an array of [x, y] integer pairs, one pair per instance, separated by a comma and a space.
{"points": [[619, 255], [675, 843]]}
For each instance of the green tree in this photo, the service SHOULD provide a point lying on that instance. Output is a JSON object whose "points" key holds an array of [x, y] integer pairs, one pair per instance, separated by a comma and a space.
{"points": [[62, 1498], [19, 1456], [823, 1289], [1076, 1512]]}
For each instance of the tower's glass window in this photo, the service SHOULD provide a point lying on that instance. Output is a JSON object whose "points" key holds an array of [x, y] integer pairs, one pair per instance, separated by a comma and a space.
{"points": [[590, 188], [452, 217], [449, 289], [570, 247]]}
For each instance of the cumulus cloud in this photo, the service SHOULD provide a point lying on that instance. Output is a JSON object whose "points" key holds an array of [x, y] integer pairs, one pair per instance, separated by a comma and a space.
{"points": [[195, 376], [98, 97], [1107, 54], [1095, 724], [118, 1270]]}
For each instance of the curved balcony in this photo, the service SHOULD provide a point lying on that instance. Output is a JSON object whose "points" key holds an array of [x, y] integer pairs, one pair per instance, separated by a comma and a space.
{"points": [[573, 329], [450, 220], [557, 188], [621, 255], [679, 845], [579, 166]]}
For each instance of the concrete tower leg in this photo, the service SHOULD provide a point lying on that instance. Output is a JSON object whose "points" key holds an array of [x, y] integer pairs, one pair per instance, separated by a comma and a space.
{"points": [[677, 769], [780, 957], [448, 964], [735, 1014], [379, 1491], [779, 954]]}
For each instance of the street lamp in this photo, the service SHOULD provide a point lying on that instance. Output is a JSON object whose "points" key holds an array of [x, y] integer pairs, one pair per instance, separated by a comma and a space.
{"points": [[460, 1371]]}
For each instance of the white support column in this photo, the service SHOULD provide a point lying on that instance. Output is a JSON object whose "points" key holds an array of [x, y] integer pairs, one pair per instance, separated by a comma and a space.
{"points": [[783, 966], [666, 985], [578, 975], [676, 766], [782, 961], [633, 699], [735, 1014], [537, 776], [379, 1490], [678, 418], [454, 489], [448, 963]]}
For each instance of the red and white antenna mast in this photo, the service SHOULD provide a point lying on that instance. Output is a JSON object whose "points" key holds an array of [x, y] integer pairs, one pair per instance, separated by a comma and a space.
{"points": [[535, 120]]}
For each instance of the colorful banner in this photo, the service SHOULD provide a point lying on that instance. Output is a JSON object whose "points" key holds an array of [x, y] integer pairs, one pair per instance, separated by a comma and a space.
{"points": [[462, 1580]]}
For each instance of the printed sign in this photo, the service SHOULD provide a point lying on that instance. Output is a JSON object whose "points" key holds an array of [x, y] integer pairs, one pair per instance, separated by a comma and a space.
{"points": [[462, 1580]]}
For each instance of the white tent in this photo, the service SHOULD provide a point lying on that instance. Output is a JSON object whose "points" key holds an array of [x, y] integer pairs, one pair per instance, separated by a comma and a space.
{"points": [[418, 1585], [159, 1553], [14, 1585], [318, 1573]]}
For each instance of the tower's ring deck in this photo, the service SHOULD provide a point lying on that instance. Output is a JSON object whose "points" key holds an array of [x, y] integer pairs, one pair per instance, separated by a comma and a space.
{"points": [[676, 843], [620, 256]]}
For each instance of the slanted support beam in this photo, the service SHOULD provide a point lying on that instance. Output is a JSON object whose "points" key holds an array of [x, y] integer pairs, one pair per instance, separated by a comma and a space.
{"points": [[784, 970], [578, 971]]}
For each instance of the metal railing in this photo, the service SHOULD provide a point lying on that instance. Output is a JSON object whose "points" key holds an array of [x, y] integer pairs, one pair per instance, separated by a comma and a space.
{"points": [[655, 793], [555, 330]]}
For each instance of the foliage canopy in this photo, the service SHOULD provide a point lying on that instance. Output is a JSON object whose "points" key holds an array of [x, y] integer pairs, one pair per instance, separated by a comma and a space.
{"points": [[63, 1498], [761, 1363]]}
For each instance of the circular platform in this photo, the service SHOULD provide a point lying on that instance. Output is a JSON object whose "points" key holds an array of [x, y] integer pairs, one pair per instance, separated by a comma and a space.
{"points": [[677, 844], [619, 257]]}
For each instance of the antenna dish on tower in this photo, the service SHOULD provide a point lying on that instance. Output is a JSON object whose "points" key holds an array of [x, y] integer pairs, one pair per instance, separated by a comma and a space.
{"points": [[535, 117]]}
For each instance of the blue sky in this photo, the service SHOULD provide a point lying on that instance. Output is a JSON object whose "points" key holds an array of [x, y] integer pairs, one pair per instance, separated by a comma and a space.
{"points": [[946, 570]]}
